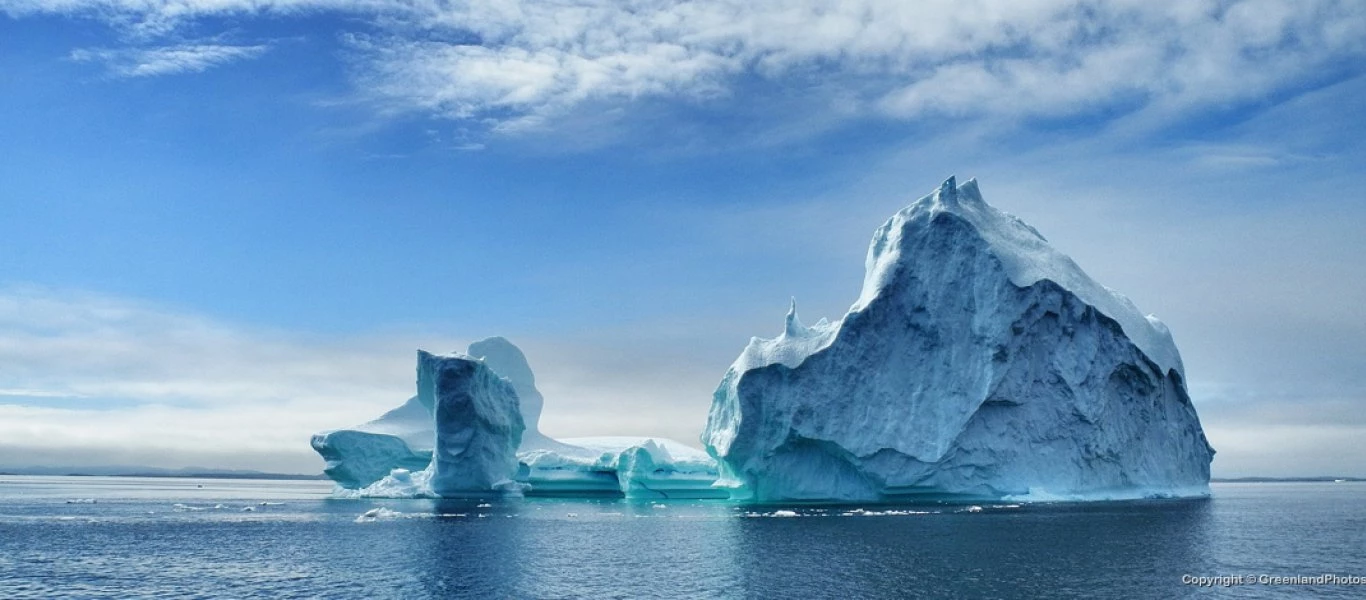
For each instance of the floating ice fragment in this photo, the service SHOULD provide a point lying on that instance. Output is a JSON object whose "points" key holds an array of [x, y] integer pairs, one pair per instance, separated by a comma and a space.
{"points": [[381, 513]]}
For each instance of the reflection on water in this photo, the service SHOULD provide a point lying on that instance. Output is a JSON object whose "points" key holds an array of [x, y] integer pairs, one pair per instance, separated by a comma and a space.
{"points": [[1031, 551], [277, 539]]}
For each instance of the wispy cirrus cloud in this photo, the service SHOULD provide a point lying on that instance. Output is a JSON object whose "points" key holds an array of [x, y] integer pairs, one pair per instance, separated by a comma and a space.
{"points": [[166, 60], [524, 64], [529, 63]]}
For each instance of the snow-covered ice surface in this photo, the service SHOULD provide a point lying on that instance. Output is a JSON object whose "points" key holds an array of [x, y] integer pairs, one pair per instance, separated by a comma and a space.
{"points": [[977, 361]]}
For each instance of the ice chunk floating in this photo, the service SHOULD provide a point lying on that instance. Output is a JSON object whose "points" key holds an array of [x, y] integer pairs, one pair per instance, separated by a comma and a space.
{"points": [[977, 362]]}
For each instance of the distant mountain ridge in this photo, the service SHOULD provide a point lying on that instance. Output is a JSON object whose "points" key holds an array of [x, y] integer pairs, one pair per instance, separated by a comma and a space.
{"points": [[205, 472], [140, 471], [1315, 479]]}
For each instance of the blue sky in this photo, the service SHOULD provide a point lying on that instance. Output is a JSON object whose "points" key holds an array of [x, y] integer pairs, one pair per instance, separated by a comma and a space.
{"points": [[226, 224]]}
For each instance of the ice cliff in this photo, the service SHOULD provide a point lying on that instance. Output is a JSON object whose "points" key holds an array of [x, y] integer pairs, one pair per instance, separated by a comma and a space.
{"points": [[977, 362], [478, 424]]}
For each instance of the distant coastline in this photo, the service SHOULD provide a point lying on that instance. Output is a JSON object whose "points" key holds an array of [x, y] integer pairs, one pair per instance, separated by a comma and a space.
{"points": [[1321, 479], [135, 471], [207, 473]]}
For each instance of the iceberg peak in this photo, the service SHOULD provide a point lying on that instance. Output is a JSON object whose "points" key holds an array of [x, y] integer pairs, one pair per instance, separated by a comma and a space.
{"points": [[1022, 251], [508, 361], [968, 192], [948, 191], [793, 325]]}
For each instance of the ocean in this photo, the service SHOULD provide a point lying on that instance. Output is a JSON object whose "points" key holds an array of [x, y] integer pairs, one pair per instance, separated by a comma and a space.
{"points": [[112, 537]]}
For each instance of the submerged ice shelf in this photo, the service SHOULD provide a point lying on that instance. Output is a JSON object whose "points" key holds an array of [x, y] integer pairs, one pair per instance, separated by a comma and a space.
{"points": [[977, 362]]}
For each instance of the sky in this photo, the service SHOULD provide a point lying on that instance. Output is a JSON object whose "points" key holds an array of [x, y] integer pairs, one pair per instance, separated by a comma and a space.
{"points": [[227, 224]]}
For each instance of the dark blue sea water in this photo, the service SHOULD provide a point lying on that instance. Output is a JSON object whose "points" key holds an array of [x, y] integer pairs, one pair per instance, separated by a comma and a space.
{"points": [[92, 537]]}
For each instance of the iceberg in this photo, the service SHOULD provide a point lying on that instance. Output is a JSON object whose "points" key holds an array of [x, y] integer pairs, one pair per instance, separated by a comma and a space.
{"points": [[471, 414], [977, 361]]}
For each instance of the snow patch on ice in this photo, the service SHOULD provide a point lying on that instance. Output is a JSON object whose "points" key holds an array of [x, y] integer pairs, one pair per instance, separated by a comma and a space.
{"points": [[399, 483], [1025, 254]]}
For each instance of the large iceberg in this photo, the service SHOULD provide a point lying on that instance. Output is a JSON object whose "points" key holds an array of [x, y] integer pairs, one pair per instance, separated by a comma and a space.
{"points": [[473, 428], [977, 362]]}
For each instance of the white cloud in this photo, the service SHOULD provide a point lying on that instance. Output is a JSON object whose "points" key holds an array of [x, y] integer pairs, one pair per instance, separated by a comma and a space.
{"points": [[88, 379], [904, 60], [32, 393], [141, 381], [166, 60], [520, 64]]}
